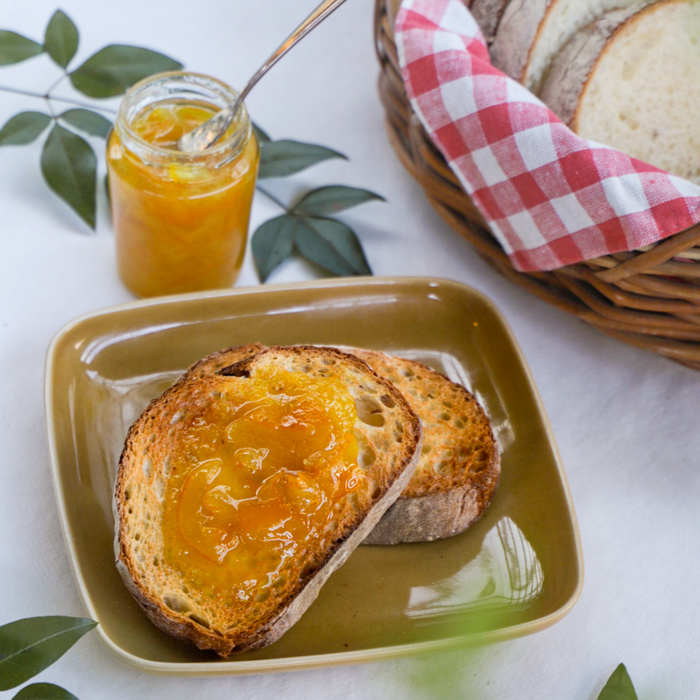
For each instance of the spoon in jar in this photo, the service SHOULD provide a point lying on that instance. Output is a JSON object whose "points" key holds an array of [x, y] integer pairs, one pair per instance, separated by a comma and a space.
{"points": [[211, 131]]}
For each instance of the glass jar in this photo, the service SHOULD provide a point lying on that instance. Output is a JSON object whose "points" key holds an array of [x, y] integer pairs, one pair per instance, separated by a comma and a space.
{"points": [[180, 218]]}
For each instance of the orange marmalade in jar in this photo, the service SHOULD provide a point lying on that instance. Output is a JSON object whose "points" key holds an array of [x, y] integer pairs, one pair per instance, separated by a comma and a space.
{"points": [[180, 218]]}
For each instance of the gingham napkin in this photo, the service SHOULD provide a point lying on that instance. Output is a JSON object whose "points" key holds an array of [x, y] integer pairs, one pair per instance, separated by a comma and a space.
{"points": [[550, 197]]}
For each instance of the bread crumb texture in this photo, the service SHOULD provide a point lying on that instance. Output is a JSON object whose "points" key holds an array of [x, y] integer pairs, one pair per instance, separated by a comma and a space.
{"points": [[458, 443], [560, 21], [643, 91]]}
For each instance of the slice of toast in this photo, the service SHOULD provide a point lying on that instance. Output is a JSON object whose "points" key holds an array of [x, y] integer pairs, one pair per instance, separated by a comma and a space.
{"points": [[225, 540], [459, 466]]}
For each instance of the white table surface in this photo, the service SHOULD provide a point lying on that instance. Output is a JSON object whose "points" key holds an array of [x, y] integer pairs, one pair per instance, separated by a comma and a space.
{"points": [[626, 422]]}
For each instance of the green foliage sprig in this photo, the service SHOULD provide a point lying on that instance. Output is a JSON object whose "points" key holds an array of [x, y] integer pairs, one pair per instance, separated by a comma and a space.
{"points": [[29, 646], [68, 162], [307, 226]]}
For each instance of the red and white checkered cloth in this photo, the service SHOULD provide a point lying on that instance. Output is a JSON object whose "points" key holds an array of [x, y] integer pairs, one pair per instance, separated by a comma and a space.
{"points": [[550, 197]]}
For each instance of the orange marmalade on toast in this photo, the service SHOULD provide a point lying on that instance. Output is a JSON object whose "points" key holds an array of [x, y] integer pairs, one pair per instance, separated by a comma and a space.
{"points": [[257, 482], [180, 219]]}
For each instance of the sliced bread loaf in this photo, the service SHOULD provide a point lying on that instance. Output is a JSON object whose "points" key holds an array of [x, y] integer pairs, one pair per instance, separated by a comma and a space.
{"points": [[628, 81], [531, 34], [240, 491], [459, 466]]}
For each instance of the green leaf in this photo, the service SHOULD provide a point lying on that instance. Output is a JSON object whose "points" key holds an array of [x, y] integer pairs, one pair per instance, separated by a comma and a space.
{"points": [[70, 169], [44, 691], [15, 48], [88, 121], [332, 245], [114, 69], [23, 128], [29, 646], [61, 38], [619, 686], [272, 244], [261, 135], [333, 199], [282, 158]]}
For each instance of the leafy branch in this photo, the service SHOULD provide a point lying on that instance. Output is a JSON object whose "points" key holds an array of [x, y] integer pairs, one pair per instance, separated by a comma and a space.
{"points": [[68, 162], [307, 227]]}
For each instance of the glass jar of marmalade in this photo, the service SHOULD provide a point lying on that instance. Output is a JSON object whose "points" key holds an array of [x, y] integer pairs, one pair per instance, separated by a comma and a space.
{"points": [[180, 218]]}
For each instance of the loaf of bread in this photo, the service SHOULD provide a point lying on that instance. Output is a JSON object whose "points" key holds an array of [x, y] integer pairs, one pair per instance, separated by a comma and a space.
{"points": [[248, 482], [532, 32], [459, 466], [628, 81], [617, 72]]}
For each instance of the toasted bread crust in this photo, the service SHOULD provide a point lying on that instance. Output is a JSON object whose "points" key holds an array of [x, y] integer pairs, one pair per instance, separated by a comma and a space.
{"points": [[204, 621], [459, 467]]}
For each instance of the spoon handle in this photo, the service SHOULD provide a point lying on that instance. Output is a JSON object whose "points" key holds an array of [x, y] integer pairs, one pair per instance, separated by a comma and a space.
{"points": [[211, 131]]}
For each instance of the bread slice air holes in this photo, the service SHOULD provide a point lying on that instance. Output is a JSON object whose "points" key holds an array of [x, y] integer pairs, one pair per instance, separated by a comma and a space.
{"points": [[200, 620], [369, 411], [159, 487], [387, 400], [177, 417], [366, 456], [431, 506], [176, 603]]}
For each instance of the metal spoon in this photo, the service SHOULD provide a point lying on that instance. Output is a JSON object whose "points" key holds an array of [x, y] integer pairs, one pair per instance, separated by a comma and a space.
{"points": [[211, 131]]}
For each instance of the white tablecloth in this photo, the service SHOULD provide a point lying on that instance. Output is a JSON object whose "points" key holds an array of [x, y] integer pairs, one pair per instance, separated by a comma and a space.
{"points": [[626, 422]]}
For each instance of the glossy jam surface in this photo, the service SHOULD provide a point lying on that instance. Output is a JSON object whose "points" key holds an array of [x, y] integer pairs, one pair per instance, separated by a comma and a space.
{"points": [[258, 480], [180, 224]]}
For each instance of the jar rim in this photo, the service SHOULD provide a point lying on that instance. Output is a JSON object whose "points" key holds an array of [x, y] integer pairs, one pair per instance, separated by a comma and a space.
{"points": [[130, 107]]}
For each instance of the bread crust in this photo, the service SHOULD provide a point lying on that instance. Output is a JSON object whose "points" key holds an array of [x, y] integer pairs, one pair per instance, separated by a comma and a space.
{"points": [[437, 515], [516, 33], [300, 591], [564, 85], [488, 14], [452, 486]]}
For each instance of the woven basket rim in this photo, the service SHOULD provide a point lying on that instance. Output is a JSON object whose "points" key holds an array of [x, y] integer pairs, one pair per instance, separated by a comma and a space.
{"points": [[648, 297]]}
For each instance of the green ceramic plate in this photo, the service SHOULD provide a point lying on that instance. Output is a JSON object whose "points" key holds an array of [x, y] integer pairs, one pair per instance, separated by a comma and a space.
{"points": [[517, 571]]}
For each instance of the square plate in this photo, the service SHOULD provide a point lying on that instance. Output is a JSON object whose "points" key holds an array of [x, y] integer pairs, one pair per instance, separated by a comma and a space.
{"points": [[516, 571]]}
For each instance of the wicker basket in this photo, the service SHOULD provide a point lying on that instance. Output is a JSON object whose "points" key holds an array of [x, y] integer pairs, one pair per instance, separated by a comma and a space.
{"points": [[649, 298]]}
